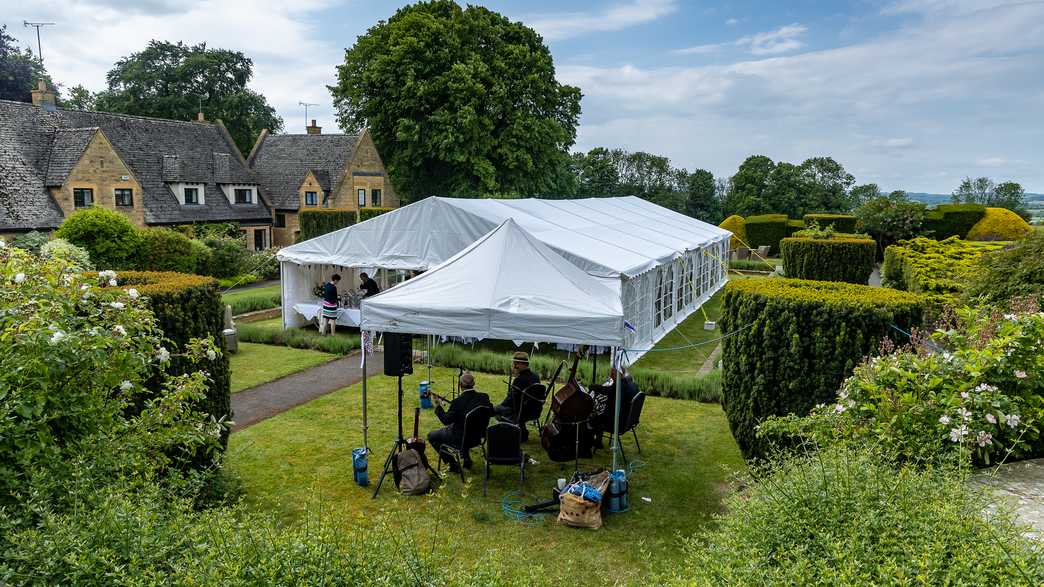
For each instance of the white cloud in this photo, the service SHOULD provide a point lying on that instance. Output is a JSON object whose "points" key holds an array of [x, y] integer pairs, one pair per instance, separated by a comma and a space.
{"points": [[732, 22], [913, 107], [774, 42], [992, 162], [614, 18], [781, 40]]}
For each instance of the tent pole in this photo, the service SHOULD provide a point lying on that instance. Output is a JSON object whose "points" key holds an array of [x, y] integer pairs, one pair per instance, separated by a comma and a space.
{"points": [[616, 410], [429, 339], [365, 428]]}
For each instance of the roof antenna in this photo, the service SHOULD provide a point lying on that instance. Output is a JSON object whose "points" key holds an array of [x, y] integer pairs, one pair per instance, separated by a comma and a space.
{"points": [[37, 25], [306, 105]]}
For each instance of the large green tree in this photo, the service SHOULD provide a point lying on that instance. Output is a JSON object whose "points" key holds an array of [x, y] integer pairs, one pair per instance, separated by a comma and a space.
{"points": [[175, 80], [819, 184], [19, 70], [750, 183], [701, 198], [826, 187], [459, 101]]}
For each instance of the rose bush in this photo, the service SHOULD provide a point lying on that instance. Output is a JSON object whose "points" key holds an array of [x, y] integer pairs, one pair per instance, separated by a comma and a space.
{"points": [[973, 391]]}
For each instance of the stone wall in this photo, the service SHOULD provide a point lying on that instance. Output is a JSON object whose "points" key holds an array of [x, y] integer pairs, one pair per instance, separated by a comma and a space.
{"points": [[101, 170]]}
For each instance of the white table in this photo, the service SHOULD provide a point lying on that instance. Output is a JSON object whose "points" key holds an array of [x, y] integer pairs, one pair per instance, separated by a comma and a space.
{"points": [[345, 316]]}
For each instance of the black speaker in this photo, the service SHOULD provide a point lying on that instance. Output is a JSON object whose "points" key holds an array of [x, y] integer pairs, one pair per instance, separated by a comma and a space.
{"points": [[398, 354]]}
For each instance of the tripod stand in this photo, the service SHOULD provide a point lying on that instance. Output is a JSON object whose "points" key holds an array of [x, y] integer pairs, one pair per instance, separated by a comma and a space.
{"points": [[397, 447]]}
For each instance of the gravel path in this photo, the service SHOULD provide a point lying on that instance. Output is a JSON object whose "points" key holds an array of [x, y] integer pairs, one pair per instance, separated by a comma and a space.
{"points": [[268, 399], [1021, 486]]}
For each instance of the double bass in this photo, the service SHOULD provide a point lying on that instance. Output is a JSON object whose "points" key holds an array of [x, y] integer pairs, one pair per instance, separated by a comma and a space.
{"points": [[566, 436]]}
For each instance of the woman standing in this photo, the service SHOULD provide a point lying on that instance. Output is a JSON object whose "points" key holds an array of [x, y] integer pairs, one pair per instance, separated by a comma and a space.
{"points": [[329, 315]]}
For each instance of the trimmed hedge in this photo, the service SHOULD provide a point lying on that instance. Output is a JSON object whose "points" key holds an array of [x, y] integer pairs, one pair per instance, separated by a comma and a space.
{"points": [[738, 227], [838, 259], [1000, 224], [368, 213], [795, 341], [948, 220], [794, 226], [939, 268], [187, 307], [840, 222], [767, 229], [319, 222], [163, 249]]}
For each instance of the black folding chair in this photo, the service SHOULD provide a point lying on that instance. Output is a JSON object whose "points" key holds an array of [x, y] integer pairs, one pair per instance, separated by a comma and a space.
{"points": [[504, 447], [475, 423], [532, 406], [634, 417]]}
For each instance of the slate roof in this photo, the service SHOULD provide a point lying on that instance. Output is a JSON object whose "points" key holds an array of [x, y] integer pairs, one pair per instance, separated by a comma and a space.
{"points": [[39, 148], [283, 161]]}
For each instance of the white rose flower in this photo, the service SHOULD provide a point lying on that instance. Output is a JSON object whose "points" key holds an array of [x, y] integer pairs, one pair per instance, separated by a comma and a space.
{"points": [[85, 287], [133, 293], [984, 438], [112, 283], [120, 330], [163, 355], [1019, 374], [3, 245], [211, 355], [57, 337], [964, 414], [944, 419], [1011, 317], [116, 305], [19, 277], [1012, 420], [126, 385], [991, 418]]}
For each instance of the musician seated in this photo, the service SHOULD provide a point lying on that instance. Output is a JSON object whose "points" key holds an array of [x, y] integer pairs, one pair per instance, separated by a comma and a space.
{"points": [[510, 408], [605, 402], [453, 432]]}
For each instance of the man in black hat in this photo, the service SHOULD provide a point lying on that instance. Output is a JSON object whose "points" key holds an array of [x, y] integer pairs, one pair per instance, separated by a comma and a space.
{"points": [[453, 418], [509, 408]]}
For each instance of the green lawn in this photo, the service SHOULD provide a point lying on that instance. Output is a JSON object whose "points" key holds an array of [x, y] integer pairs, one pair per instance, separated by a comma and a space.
{"points": [[255, 364], [690, 331], [299, 463], [249, 300]]}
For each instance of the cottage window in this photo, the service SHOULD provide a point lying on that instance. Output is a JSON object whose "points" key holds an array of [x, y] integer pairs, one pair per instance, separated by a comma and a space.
{"points": [[124, 196], [192, 196], [280, 220], [311, 198], [362, 197], [83, 197], [375, 197], [244, 196]]}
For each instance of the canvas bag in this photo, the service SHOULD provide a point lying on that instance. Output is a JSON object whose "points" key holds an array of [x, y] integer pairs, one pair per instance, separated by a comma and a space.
{"points": [[411, 476], [578, 512]]}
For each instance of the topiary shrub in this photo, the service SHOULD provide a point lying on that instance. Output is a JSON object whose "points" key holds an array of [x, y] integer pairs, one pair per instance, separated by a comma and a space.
{"points": [[939, 268], [319, 222], [1003, 275], [948, 220], [187, 307], [738, 227], [835, 259], [75, 258], [163, 249], [201, 256], [795, 341], [368, 213], [1000, 224], [227, 257], [30, 241], [767, 229], [109, 237], [845, 517], [840, 222]]}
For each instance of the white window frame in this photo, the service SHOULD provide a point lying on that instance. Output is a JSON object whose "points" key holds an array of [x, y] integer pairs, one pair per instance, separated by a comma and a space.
{"points": [[229, 189], [361, 193]]}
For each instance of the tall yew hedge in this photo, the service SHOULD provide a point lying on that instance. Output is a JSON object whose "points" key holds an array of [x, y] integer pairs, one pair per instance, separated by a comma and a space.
{"points": [[795, 341], [948, 220], [768, 229], [319, 222], [187, 307], [835, 259]]}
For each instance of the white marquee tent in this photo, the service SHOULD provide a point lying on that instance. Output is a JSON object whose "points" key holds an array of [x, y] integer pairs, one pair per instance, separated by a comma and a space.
{"points": [[490, 290], [665, 264]]}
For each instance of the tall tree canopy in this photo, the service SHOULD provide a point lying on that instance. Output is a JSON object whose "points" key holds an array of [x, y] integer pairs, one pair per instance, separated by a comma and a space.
{"points": [[173, 80], [701, 199], [19, 70], [819, 184], [459, 101], [982, 190], [616, 172]]}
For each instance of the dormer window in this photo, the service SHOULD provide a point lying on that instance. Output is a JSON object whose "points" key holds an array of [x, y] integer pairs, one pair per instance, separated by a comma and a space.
{"points": [[191, 196], [244, 196], [311, 198], [239, 193]]}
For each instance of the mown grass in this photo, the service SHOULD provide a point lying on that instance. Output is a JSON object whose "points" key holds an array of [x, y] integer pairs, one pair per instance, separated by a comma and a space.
{"points": [[271, 332], [255, 364], [299, 462], [251, 300], [689, 359]]}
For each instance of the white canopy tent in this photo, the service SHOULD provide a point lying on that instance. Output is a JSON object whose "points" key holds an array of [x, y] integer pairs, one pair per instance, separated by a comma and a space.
{"points": [[509, 286], [665, 264]]}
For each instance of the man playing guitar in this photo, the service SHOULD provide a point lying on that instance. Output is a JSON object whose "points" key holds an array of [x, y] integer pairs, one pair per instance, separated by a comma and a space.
{"points": [[453, 418]]}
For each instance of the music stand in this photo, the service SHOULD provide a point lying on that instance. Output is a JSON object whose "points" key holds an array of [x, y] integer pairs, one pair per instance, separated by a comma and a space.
{"points": [[397, 447]]}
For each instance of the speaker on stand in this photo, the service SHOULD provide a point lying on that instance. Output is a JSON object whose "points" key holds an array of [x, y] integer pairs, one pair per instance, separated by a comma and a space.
{"points": [[398, 361]]}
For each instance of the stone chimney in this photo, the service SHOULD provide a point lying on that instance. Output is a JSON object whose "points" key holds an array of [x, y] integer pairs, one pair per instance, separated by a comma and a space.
{"points": [[200, 117], [43, 97], [313, 129]]}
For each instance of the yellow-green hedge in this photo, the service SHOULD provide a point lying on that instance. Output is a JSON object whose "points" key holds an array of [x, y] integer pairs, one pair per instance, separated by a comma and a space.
{"points": [[738, 227], [939, 268], [1000, 224], [835, 259]]}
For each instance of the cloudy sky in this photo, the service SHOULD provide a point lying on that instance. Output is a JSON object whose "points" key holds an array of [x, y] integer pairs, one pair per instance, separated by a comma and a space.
{"points": [[911, 94]]}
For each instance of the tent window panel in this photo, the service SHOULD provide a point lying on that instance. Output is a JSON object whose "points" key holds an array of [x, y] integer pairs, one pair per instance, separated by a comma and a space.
{"points": [[681, 291]]}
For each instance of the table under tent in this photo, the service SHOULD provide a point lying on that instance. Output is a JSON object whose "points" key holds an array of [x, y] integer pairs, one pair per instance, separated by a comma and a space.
{"points": [[662, 265], [507, 286]]}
